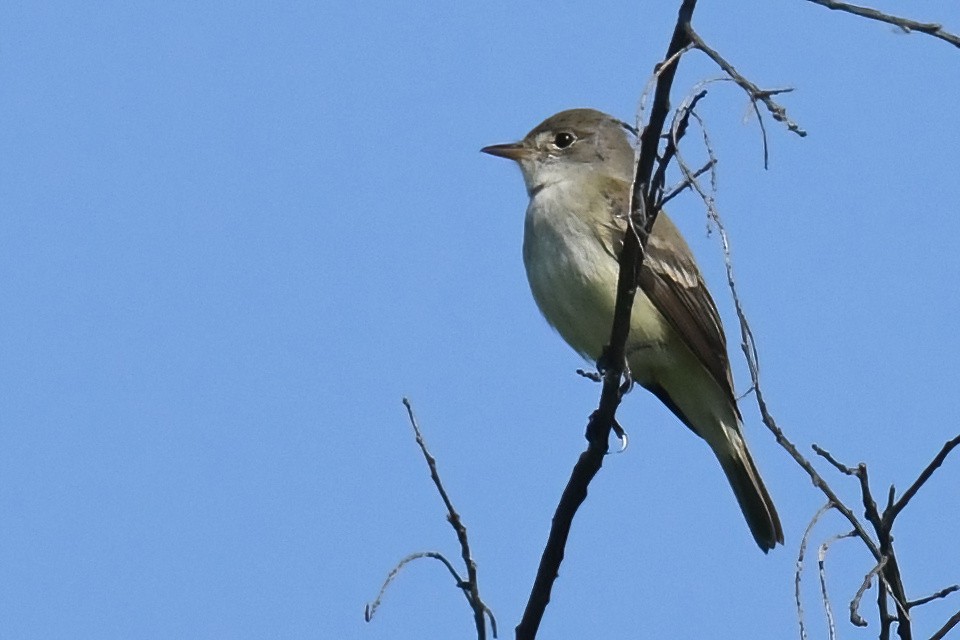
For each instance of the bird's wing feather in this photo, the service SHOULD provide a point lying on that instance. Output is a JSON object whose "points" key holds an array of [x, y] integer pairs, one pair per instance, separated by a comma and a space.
{"points": [[671, 279]]}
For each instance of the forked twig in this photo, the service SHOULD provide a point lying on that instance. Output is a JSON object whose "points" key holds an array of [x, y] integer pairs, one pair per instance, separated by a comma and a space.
{"points": [[755, 93], [472, 588]]}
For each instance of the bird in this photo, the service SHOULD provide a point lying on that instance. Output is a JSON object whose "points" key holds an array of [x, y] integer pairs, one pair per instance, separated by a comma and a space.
{"points": [[578, 168]]}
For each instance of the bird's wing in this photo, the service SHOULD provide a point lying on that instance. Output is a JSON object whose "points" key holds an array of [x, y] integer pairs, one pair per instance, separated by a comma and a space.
{"points": [[671, 279]]}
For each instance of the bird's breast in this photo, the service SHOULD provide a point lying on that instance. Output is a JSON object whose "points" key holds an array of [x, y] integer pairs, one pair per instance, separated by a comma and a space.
{"points": [[573, 276]]}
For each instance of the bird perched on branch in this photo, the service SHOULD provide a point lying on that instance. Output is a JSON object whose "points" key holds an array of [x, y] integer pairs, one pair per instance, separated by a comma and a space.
{"points": [[578, 168]]}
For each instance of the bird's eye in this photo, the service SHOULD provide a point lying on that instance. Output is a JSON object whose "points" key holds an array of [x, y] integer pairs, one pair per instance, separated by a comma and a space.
{"points": [[564, 139]]}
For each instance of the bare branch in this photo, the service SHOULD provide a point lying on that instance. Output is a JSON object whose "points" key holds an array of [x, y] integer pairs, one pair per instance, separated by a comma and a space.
{"points": [[677, 130], [945, 629], [867, 581], [684, 184], [652, 83], [754, 92], [471, 587], [821, 570], [803, 550], [647, 196], [870, 510], [943, 593], [371, 608], [908, 25], [904, 616], [763, 134], [748, 347], [924, 476], [842, 468]]}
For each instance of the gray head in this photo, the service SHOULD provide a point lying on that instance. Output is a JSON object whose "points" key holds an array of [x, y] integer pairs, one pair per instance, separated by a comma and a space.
{"points": [[568, 144]]}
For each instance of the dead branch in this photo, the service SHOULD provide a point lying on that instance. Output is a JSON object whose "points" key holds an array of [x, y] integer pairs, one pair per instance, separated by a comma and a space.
{"points": [[906, 24], [945, 629], [894, 510], [855, 617], [755, 93], [804, 541], [822, 572], [943, 593], [372, 607], [470, 587]]}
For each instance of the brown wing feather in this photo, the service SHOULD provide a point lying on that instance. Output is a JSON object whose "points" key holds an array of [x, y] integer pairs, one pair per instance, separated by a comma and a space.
{"points": [[671, 279]]}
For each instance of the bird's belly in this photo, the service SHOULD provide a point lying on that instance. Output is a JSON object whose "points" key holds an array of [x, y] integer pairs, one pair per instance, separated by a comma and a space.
{"points": [[575, 290]]}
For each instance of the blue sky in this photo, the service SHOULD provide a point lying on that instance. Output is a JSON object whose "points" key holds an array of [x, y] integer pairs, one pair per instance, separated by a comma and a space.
{"points": [[233, 236]]}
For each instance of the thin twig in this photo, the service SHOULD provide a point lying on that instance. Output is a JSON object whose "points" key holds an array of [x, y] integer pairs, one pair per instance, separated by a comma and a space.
{"points": [[908, 25], [476, 603], [943, 593], [684, 184], [842, 468], [924, 476], [867, 581], [890, 575], [822, 572], [708, 198], [755, 93], [371, 608], [800, 555], [904, 616], [652, 83], [945, 629], [748, 346], [763, 134], [678, 128], [870, 511]]}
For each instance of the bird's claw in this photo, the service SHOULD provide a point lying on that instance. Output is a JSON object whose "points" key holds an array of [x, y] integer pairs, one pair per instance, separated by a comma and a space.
{"points": [[621, 435], [592, 428]]}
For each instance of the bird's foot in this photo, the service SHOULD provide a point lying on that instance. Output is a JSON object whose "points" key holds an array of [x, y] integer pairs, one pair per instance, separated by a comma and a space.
{"points": [[604, 366], [590, 375]]}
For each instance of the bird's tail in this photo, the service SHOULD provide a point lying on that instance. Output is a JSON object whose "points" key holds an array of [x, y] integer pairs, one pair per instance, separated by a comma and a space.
{"points": [[754, 500]]}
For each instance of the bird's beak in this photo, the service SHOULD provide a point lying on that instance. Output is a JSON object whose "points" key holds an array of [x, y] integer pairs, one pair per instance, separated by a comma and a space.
{"points": [[511, 151]]}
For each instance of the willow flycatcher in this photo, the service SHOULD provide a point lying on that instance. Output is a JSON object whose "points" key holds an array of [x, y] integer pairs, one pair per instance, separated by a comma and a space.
{"points": [[578, 168]]}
